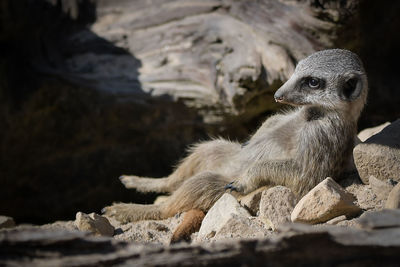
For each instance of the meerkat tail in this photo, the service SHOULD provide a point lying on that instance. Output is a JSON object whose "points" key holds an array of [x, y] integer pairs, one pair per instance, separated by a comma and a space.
{"points": [[198, 192], [191, 223], [145, 184]]}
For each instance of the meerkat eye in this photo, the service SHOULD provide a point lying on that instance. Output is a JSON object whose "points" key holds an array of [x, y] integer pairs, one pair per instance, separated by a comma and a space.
{"points": [[313, 83]]}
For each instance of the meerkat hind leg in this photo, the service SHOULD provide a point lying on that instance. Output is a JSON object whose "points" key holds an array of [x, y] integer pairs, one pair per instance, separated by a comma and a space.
{"points": [[198, 192], [202, 157]]}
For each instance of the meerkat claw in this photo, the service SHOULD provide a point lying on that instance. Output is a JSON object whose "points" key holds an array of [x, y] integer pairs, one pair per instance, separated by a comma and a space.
{"points": [[231, 187]]}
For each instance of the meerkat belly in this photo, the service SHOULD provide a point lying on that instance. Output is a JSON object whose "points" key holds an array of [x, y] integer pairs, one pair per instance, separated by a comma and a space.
{"points": [[282, 142], [277, 141]]}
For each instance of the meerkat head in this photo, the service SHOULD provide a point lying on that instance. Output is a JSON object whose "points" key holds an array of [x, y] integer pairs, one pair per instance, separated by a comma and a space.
{"points": [[332, 79]]}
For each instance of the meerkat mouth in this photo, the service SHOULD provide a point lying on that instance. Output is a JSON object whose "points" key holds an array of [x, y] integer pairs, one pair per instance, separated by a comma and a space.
{"points": [[283, 101]]}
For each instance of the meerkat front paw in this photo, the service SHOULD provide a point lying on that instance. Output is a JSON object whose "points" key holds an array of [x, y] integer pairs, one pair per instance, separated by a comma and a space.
{"points": [[235, 186]]}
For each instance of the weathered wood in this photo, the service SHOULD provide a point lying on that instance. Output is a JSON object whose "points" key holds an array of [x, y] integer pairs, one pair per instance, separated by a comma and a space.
{"points": [[299, 244], [224, 57]]}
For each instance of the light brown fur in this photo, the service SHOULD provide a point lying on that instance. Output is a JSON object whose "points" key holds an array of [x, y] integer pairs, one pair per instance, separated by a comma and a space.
{"points": [[297, 149]]}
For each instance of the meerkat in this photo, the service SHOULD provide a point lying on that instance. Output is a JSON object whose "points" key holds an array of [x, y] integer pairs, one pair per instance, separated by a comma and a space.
{"points": [[297, 148]]}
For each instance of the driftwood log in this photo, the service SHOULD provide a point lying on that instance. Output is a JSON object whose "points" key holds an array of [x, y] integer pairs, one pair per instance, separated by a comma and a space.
{"points": [[223, 57], [296, 244]]}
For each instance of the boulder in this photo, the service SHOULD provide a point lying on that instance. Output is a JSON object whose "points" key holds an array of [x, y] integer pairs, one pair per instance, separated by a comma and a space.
{"points": [[325, 201], [220, 213], [380, 155], [94, 223], [276, 206], [393, 200]]}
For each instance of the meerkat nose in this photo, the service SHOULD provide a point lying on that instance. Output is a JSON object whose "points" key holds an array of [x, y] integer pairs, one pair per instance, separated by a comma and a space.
{"points": [[278, 98]]}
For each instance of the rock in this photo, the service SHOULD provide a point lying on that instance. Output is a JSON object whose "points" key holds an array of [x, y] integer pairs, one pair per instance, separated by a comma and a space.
{"points": [[296, 245], [366, 198], [94, 223], [348, 236], [6, 222], [337, 220], [325, 201], [220, 213], [380, 219], [241, 227], [276, 206], [191, 223], [252, 201], [393, 200], [367, 133], [380, 155], [381, 188], [156, 232]]}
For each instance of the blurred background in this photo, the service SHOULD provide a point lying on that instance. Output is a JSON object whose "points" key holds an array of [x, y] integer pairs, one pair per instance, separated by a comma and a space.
{"points": [[92, 89]]}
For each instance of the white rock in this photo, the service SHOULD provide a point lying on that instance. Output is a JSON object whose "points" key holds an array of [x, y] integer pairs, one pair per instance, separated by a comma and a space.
{"points": [[220, 213], [367, 133], [325, 201], [94, 223], [241, 227], [276, 205]]}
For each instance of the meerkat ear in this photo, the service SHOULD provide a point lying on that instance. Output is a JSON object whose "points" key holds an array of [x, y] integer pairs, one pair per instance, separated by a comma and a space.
{"points": [[352, 86]]}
